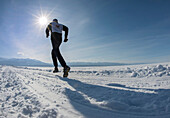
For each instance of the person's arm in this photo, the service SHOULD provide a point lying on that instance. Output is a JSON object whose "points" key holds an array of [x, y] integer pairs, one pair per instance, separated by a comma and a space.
{"points": [[65, 28], [47, 30]]}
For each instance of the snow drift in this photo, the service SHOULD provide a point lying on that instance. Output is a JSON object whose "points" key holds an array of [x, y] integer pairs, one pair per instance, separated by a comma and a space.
{"points": [[93, 92]]}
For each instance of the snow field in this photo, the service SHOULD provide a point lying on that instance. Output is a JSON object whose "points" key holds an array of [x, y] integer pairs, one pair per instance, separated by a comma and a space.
{"points": [[140, 91]]}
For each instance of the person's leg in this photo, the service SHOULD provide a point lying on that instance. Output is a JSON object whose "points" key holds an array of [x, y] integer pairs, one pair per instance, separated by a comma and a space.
{"points": [[54, 61], [53, 52], [63, 63], [57, 39], [60, 58]]}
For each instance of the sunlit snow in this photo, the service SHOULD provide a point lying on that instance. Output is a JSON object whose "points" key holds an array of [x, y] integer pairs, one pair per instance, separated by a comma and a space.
{"points": [[136, 91]]}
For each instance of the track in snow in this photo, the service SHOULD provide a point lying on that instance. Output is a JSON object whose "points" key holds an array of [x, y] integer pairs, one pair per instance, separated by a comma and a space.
{"points": [[38, 93]]}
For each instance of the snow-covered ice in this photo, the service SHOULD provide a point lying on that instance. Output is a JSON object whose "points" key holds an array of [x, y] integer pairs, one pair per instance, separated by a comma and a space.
{"points": [[136, 91]]}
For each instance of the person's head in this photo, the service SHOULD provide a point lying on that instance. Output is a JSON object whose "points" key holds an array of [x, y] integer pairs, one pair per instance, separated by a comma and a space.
{"points": [[55, 20]]}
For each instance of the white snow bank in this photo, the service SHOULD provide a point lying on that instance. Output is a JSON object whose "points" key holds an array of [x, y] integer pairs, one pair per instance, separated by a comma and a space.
{"points": [[146, 71], [18, 99], [99, 92]]}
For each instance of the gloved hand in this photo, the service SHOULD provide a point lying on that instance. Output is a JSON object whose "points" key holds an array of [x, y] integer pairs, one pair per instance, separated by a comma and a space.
{"points": [[65, 40], [47, 36]]}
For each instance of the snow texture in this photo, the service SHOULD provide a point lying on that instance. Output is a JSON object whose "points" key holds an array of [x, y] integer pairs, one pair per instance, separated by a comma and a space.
{"points": [[138, 91]]}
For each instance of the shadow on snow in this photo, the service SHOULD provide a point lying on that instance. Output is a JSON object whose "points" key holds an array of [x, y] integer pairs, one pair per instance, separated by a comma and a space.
{"points": [[115, 101]]}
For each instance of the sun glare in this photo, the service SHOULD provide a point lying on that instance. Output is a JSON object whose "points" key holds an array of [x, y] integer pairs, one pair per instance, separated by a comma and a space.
{"points": [[43, 20]]}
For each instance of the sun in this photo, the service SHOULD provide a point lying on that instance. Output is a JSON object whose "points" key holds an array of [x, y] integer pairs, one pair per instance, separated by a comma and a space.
{"points": [[42, 20]]}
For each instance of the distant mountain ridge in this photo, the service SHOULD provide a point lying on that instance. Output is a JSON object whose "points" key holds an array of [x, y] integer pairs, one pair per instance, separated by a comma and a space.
{"points": [[34, 62], [96, 64], [22, 62]]}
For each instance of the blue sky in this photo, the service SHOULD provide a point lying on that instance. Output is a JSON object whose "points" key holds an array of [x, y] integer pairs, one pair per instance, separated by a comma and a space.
{"points": [[126, 31]]}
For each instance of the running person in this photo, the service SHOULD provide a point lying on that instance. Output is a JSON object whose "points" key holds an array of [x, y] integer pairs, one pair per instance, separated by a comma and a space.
{"points": [[56, 38]]}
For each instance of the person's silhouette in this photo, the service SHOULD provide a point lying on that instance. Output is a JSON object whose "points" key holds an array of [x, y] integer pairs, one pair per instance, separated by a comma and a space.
{"points": [[56, 38]]}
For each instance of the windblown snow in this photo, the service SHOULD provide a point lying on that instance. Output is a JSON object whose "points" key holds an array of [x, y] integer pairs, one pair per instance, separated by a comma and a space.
{"points": [[138, 91]]}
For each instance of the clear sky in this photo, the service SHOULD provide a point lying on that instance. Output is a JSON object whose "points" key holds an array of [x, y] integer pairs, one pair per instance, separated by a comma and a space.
{"points": [[99, 30]]}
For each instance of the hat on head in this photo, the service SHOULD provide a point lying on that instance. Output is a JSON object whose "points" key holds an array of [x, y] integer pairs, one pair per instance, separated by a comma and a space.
{"points": [[55, 20]]}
